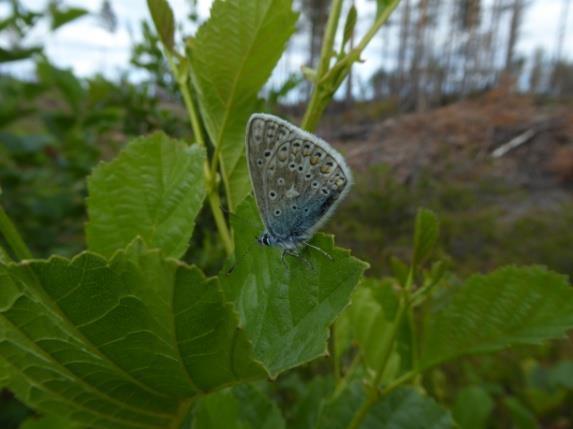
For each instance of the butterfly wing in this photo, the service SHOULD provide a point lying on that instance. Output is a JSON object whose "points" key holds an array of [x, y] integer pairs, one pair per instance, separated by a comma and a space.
{"points": [[298, 179]]}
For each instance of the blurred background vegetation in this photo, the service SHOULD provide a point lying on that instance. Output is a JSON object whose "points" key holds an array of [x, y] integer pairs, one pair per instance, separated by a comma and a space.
{"points": [[454, 118]]}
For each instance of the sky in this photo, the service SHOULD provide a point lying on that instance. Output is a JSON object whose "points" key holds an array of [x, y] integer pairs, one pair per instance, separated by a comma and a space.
{"points": [[87, 48]]}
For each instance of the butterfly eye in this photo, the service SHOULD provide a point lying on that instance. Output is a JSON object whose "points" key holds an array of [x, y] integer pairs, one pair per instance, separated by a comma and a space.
{"points": [[277, 212]]}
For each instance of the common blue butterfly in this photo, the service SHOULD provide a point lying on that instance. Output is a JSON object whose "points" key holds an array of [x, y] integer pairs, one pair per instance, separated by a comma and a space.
{"points": [[298, 181]]}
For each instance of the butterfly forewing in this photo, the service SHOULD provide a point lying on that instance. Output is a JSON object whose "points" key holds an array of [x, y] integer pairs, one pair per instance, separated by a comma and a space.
{"points": [[297, 178]]}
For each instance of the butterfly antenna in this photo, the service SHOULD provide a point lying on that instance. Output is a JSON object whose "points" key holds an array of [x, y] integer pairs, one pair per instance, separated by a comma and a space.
{"points": [[319, 250]]}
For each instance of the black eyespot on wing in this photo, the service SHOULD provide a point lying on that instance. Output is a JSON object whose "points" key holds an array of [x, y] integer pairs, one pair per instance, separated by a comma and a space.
{"points": [[267, 153], [277, 212], [260, 162]]}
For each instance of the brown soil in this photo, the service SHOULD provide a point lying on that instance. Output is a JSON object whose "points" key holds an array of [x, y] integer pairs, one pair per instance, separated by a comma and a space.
{"points": [[457, 142]]}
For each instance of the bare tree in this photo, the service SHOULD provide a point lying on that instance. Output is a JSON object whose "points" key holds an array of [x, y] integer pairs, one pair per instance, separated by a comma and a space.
{"points": [[403, 44], [316, 12], [515, 25], [417, 65], [562, 30]]}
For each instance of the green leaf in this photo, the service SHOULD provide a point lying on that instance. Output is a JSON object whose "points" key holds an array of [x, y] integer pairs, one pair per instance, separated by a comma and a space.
{"points": [[521, 416], [308, 73], [286, 308], [404, 408], [18, 54], [371, 316], [66, 82], [349, 25], [162, 16], [399, 270], [491, 312], [242, 407], [381, 6], [562, 374], [425, 235], [4, 256], [118, 344], [473, 408], [228, 76], [48, 422], [63, 16], [154, 189], [305, 411]]}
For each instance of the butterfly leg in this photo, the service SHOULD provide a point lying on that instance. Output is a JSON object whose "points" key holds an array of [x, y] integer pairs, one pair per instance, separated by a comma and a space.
{"points": [[319, 250], [287, 252], [283, 256]]}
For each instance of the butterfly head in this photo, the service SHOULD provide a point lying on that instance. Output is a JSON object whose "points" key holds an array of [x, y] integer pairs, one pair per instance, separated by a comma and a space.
{"points": [[265, 239], [268, 239]]}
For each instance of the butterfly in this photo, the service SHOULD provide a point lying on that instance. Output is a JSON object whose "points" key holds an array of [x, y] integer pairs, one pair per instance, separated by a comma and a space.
{"points": [[298, 181]]}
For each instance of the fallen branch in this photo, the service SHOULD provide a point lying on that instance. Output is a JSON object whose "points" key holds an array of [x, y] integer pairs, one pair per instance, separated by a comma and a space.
{"points": [[514, 143]]}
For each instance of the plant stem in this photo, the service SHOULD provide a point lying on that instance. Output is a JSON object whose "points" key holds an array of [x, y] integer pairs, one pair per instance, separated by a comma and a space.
{"points": [[388, 344], [387, 347], [380, 21], [327, 83], [13, 238], [374, 392], [343, 382], [215, 203], [371, 400], [334, 354], [210, 177], [314, 110], [182, 413]]}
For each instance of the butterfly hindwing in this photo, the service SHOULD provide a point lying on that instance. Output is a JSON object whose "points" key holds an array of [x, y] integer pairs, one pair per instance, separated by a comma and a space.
{"points": [[297, 178]]}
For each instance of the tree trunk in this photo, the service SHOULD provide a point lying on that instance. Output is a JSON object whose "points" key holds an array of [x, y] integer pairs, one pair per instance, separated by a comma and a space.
{"points": [[514, 27]]}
